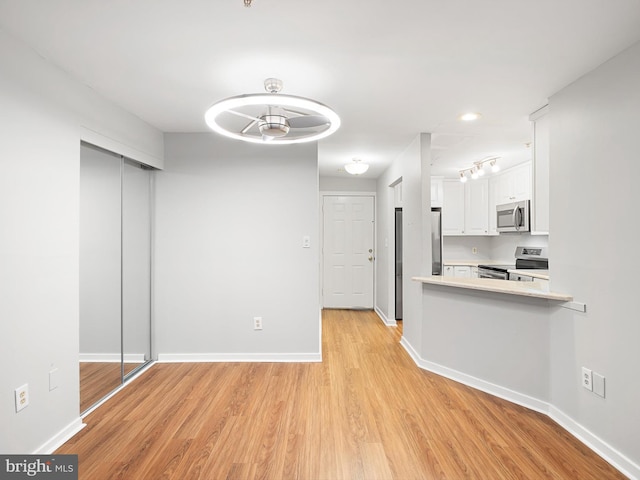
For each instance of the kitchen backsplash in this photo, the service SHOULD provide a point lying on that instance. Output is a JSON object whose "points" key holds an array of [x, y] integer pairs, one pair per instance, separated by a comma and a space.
{"points": [[500, 248]]}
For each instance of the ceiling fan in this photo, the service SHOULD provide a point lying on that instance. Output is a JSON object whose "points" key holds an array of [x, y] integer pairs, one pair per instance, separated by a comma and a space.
{"points": [[272, 117]]}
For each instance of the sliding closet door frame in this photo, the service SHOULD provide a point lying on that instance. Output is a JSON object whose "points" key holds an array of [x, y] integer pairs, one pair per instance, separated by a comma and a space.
{"points": [[149, 348], [149, 353]]}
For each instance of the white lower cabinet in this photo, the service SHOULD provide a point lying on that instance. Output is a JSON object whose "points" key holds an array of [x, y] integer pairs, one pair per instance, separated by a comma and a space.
{"points": [[460, 271]]}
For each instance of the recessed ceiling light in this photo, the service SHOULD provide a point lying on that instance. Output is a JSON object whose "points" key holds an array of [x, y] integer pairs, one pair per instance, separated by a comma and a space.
{"points": [[470, 116]]}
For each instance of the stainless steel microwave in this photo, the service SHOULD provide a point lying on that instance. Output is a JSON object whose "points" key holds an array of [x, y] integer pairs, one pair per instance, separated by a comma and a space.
{"points": [[513, 217]]}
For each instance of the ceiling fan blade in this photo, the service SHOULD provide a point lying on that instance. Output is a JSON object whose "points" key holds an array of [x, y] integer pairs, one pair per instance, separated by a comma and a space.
{"points": [[308, 121], [249, 126], [244, 115]]}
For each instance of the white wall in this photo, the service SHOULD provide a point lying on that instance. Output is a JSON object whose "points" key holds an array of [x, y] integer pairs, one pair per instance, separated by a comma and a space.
{"points": [[413, 168], [347, 184], [230, 222], [497, 247], [460, 248], [594, 196], [43, 114]]}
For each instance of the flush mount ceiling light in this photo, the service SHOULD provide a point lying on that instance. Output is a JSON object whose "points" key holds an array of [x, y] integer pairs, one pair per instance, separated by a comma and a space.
{"points": [[272, 118], [470, 116], [356, 167], [478, 168]]}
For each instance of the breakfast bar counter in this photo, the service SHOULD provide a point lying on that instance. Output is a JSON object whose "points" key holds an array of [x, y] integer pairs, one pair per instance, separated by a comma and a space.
{"points": [[525, 289]]}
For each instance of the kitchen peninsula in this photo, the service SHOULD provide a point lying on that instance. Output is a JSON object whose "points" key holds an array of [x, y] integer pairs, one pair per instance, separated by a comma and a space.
{"points": [[490, 334], [526, 289]]}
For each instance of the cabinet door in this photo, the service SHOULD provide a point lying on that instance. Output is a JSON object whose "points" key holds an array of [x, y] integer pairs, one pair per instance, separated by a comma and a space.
{"points": [[436, 191], [448, 271], [453, 208], [514, 184], [522, 182], [493, 202], [463, 271], [540, 175], [476, 220]]}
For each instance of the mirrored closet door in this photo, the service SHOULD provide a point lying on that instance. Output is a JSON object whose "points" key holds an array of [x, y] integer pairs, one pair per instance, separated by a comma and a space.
{"points": [[115, 271]]}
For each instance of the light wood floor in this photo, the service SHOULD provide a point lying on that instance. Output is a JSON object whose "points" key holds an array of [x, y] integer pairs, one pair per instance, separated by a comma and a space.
{"points": [[365, 412], [98, 379]]}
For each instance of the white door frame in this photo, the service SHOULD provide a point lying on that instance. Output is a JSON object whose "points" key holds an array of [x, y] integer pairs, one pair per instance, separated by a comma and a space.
{"points": [[375, 232]]}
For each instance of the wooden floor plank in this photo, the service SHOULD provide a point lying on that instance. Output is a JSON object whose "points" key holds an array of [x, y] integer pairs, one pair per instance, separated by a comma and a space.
{"points": [[365, 412]]}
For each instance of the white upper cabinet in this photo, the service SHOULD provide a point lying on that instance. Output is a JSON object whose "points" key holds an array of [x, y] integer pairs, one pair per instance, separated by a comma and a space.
{"points": [[476, 207], [540, 172], [465, 207], [453, 207], [437, 191], [493, 203], [514, 184]]}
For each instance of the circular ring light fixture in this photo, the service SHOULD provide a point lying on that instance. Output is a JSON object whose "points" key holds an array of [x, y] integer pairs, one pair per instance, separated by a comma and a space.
{"points": [[272, 118]]}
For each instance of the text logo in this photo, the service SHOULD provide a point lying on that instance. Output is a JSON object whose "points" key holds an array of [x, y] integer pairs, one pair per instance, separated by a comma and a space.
{"points": [[49, 467]]}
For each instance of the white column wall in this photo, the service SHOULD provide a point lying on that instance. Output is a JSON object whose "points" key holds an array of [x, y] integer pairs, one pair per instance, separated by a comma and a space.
{"points": [[44, 116], [413, 166], [594, 176]]}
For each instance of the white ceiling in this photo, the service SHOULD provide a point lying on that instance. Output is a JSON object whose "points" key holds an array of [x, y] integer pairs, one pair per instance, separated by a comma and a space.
{"points": [[390, 69]]}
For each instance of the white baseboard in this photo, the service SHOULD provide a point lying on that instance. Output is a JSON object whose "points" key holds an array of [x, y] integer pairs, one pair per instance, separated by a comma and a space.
{"points": [[383, 317], [606, 451], [112, 357], [624, 464], [60, 438], [239, 357]]}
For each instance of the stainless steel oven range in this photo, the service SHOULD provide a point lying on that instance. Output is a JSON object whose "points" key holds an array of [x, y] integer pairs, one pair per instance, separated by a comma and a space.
{"points": [[530, 258]]}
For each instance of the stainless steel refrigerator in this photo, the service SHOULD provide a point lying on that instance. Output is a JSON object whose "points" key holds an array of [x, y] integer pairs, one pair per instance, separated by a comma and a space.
{"points": [[398, 241], [436, 252], [436, 241]]}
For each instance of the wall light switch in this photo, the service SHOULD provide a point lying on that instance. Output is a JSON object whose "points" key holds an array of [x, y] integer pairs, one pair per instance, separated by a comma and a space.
{"points": [[53, 379], [598, 384], [306, 241]]}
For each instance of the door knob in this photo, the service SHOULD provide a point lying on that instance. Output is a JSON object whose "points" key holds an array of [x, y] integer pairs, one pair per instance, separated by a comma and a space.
{"points": [[370, 258]]}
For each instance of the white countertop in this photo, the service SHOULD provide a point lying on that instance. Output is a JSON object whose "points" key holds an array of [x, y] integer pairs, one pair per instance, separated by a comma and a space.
{"points": [[526, 289]]}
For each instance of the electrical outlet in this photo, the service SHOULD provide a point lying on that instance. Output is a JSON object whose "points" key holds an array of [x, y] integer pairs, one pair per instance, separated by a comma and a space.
{"points": [[257, 323], [587, 381], [22, 397], [598, 384]]}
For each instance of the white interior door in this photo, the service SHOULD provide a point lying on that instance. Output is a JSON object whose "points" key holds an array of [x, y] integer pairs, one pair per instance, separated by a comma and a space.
{"points": [[348, 255]]}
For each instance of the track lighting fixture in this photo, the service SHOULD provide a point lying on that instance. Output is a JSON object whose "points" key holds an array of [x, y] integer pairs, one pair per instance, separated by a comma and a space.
{"points": [[478, 168]]}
